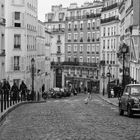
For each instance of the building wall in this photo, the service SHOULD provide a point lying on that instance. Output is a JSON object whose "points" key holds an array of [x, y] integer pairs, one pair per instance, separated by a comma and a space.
{"points": [[2, 40], [55, 23], [110, 41], [23, 13]]}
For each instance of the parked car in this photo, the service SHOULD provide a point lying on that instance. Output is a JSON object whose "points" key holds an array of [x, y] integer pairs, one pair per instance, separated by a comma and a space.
{"points": [[56, 93], [130, 100]]}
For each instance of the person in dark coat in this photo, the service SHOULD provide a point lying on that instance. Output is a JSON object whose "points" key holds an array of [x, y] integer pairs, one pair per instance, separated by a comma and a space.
{"points": [[23, 90], [6, 89], [15, 91]]}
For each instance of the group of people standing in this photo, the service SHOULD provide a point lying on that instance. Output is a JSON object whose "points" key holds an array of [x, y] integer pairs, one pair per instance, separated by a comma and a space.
{"points": [[14, 92]]}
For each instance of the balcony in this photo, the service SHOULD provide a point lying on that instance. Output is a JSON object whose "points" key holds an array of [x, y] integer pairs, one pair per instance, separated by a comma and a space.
{"points": [[2, 21], [109, 7], [16, 68], [83, 16], [98, 39], [58, 30], [110, 19], [75, 40], [72, 63], [69, 40], [93, 40]]}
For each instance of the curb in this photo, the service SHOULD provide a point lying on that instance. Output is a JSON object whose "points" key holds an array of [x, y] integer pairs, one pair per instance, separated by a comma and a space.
{"points": [[3, 116], [106, 100]]}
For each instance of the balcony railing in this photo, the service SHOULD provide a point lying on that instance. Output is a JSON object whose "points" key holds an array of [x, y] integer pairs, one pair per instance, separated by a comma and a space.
{"points": [[83, 16], [72, 63], [109, 7], [16, 68], [58, 30], [106, 20]]}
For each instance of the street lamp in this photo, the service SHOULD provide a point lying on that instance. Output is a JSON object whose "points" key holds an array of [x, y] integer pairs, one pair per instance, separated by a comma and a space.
{"points": [[109, 75], [32, 70], [124, 50]]}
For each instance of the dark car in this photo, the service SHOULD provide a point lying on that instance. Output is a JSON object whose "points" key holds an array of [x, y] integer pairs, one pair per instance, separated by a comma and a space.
{"points": [[56, 93], [130, 100]]}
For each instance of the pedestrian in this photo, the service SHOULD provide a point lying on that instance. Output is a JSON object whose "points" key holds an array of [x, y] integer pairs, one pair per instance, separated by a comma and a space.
{"points": [[6, 89], [85, 90], [112, 93], [15, 92], [89, 97], [23, 90]]}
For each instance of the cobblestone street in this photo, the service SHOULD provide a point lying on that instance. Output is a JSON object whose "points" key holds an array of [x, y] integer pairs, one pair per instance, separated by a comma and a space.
{"points": [[69, 119]]}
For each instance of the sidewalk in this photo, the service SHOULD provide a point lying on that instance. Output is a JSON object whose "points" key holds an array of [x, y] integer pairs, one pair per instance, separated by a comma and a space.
{"points": [[113, 101]]}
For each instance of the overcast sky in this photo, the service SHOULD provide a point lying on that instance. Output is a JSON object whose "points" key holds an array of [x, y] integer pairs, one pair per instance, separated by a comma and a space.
{"points": [[44, 6]]}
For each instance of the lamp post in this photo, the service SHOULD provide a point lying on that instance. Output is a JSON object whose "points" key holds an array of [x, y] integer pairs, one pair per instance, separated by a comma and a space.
{"points": [[109, 75], [33, 69], [124, 50]]}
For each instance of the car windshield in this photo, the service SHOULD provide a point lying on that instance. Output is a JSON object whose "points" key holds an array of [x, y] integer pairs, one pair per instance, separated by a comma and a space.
{"points": [[135, 90]]}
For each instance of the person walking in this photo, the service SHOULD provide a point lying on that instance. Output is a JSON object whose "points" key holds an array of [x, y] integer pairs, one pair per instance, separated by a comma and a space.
{"points": [[15, 92], [23, 90]]}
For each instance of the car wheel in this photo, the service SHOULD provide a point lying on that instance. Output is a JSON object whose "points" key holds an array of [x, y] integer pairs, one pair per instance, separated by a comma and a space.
{"points": [[129, 111]]}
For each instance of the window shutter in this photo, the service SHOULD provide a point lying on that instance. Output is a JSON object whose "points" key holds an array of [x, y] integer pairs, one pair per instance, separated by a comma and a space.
{"points": [[13, 18], [22, 63], [12, 63], [22, 19]]}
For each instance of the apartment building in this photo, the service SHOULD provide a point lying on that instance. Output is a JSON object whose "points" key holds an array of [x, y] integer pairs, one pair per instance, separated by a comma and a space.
{"points": [[130, 35], [48, 81], [55, 23], [82, 45], [110, 36], [40, 60], [21, 32], [2, 39]]}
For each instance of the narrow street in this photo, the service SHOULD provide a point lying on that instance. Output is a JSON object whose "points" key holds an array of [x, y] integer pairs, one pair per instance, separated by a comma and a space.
{"points": [[69, 119]]}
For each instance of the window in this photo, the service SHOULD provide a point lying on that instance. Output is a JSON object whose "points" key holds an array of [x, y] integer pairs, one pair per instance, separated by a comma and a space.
{"points": [[17, 41], [17, 15], [111, 30], [81, 48], [58, 37], [75, 36], [114, 30], [93, 48], [89, 35], [81, 59], [97, 36], [108, 43], [114, 43], [17, 24], [93, 59], [108, 31], [75, 48], [81, 26], [58, 59], [69, 36], [16, 63], [103, 44], [69, 26], [111, 43], [69, 48], [88, 26], [88, 48], [88, 59], [58, 48], [104, 31]]}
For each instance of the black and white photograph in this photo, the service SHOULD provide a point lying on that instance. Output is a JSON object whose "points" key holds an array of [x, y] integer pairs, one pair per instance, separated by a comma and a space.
{"points": [[69, 69]]}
